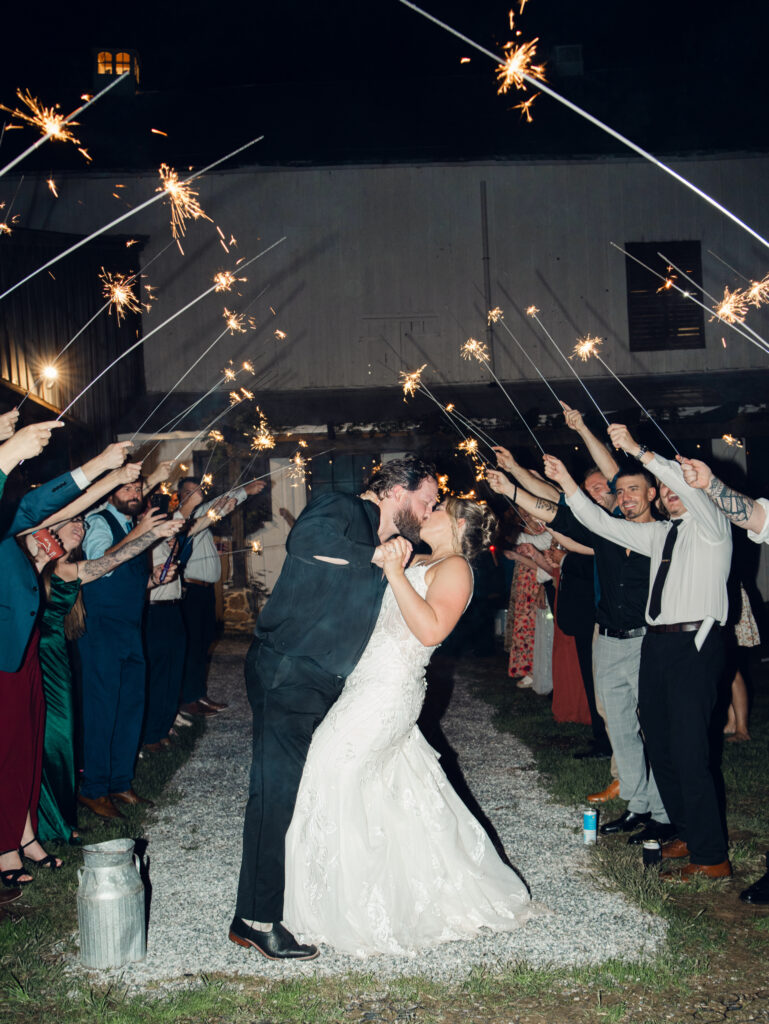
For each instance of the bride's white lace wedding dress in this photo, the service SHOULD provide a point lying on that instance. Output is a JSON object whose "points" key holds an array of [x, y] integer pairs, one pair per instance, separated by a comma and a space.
{"points": [[382, 856]]}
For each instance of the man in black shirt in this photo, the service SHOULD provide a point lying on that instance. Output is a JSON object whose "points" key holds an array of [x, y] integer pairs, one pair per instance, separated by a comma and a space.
{"points": [[309, 637], [623, 577]]}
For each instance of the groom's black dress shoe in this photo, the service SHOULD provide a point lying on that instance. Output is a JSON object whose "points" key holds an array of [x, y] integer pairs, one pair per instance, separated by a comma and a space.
{"points": [[654, 830], [276, 944], [625, 823]]}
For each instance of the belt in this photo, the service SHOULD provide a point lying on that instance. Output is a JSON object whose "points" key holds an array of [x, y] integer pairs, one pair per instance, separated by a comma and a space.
{"points": [[198, 583], [622, 634], [163, 603], [677, 627]]}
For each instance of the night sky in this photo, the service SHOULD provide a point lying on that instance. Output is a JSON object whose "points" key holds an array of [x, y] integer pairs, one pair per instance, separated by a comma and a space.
{"points": [[371, 80]]}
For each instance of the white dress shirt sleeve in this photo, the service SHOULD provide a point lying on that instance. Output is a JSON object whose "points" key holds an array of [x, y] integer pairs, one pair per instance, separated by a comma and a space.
{"points": [[80, 478], [762, 537], [713, 527], [636, 536]]}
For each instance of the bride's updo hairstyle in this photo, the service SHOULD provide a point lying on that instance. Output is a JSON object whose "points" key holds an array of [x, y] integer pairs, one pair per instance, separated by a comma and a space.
{"points": [[480, 526]]}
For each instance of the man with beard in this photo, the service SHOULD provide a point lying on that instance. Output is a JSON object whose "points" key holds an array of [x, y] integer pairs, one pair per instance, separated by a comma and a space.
{"points": [[682, 653], [112, 657], [309, 637]]}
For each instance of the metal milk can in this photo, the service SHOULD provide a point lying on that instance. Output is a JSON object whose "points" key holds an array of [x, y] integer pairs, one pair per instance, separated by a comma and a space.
{"points": [[110, 905]]}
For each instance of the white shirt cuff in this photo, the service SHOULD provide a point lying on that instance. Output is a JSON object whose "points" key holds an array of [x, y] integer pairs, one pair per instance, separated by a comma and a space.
{"points": [[80, 478], [763, 536]]}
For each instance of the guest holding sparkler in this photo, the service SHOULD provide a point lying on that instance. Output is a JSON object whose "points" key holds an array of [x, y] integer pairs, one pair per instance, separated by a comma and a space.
{"points": [[64, 619], [202, 569], [112, 655], [682, 654], [21, 692]]}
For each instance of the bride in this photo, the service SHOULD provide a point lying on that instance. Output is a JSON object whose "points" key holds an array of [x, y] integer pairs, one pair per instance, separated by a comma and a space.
{"points": [[382, 856]]}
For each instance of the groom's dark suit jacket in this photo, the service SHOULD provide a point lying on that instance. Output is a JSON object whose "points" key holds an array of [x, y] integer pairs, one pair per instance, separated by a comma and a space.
{"points": [[319, 610]]}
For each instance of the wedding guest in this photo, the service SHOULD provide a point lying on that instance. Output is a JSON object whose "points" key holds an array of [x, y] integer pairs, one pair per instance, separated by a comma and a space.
{"points": [[64, 619], [682, 654], [111, 654], [202, 570], [21, 693]]}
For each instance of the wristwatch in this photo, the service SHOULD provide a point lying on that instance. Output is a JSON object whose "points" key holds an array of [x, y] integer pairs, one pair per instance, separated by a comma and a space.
{"points": [[642, 450]]}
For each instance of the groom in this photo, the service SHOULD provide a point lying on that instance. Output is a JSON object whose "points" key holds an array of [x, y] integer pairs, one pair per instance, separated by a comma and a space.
{"points": [[309, 637]]}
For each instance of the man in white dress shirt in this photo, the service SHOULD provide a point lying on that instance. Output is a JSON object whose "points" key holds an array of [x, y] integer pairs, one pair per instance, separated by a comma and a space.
{"points": [[682, 656], [202, 570]]}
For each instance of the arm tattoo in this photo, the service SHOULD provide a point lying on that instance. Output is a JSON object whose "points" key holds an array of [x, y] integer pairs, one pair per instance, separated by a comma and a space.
{"points": [[735, 506], [97, 567], [542, 504]]}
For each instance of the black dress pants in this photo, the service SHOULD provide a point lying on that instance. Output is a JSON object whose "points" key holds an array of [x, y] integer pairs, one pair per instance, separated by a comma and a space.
{"points": [[199, 611], [677, 689], [289, 698]]}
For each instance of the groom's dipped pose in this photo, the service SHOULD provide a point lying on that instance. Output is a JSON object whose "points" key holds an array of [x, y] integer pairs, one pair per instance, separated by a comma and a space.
{"points": [[309, 637]]}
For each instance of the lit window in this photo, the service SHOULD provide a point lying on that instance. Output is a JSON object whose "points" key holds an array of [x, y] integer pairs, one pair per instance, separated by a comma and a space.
{"points": [[104, 63], [659, 317], [122, 63]]}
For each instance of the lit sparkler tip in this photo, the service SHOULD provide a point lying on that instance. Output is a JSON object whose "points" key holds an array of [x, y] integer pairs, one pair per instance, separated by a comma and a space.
{"points": [[586, 347], [235, 323], [302, 444], [213, 515], [733, 307], [47, 119], [758, 292], [474, 349], [206, 480], [256, 547], [118, 290], [517, 66], [411, 380], [443, 481], [495, 315], [229, 373], [469, 446], [216, 435], [532, 311], [235, 398], [280, 335], [733, 442], [247, 394], [450, 407], [183, 199], [297, 471], [249, 367]]}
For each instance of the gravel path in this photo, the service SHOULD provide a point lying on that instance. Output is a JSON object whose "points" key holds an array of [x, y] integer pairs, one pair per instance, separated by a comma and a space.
{"points": [[194, 847]]}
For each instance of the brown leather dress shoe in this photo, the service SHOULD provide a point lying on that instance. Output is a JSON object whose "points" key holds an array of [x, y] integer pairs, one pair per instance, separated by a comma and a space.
{"points": [[197, 710], [610, 793], [674, 849], [690, 871], [129, 796], [9, 895], [215, 704], [100, 805]]}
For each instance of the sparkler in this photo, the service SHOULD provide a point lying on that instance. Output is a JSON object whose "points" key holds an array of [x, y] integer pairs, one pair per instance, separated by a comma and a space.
{"points": [[280, 335], [757, 340], [411, 381], [533, 312], [155, 330], [588, 347], [733, 442], [130, 213], [297, 469], [225, 279], [53, 125], [234, 321], [118, 291], [496, 316], [474, 349], [183, 200], [538, 83]]}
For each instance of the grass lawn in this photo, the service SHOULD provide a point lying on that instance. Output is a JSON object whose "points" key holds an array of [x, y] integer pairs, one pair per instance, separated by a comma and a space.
{"points": [[713, 966]]}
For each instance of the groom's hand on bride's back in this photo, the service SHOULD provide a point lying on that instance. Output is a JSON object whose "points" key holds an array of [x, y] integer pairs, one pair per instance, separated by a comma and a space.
{"points": [[395, 551]]}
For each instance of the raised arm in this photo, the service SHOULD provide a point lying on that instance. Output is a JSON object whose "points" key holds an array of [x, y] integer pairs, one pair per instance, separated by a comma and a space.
{"points": [[95, 568], [599, 453], [541, 508], [113, 457], [430, 618], [25, 443], [712, 525], [160, 473], [534, 484], [738, 508], [320, 534], [104, 486]]}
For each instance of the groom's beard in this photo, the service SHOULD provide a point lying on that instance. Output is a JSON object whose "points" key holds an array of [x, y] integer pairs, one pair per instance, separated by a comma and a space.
{"points": [[407, 524]]}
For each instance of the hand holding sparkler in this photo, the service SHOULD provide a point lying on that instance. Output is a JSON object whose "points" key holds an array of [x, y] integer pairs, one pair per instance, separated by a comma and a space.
{"points": [[696, 473], [573, 418], [504, 458], [555, 470], [255, 487], [127, 474], [622, 440], [8, 424], [499, 483], [26, 444]]}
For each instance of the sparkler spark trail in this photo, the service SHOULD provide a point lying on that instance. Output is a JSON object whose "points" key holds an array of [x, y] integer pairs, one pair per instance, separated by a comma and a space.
{"points": [[499, 318], [155, 330], [216, 435], [517, 68], [130, 213], [118, 291], [411, 380], [53, 125], [225, 279], [758, 292], [587, 347], [532, 311], [474, 349], [543, 87], [234, 321]]}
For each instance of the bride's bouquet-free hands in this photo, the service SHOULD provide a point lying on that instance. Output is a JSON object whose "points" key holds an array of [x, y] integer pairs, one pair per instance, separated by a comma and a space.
{"points": [[393, 557]]}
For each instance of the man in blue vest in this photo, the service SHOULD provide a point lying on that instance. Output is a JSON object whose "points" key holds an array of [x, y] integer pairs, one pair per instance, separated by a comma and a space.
{"points": [[112, 655]]}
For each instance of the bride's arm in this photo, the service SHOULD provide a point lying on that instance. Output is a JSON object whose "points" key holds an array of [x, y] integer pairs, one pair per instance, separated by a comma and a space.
{"points": [[430, 618]]}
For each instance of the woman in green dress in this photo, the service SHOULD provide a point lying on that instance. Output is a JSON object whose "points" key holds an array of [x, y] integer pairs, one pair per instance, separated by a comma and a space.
{"points": [[64, 619]]}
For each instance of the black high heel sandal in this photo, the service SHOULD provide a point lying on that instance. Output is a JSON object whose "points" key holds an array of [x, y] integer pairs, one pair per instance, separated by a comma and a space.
{"points": [[11, 878], [49, 861]]}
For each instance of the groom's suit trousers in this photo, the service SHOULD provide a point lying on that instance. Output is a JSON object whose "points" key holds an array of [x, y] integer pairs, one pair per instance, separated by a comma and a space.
{"points": [[289, 698]]}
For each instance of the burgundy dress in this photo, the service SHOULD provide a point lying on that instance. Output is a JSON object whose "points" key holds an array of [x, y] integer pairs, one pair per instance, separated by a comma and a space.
{"points": [[22, 724]]}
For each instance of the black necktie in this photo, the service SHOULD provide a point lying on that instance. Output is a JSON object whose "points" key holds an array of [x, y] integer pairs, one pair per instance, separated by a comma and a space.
{"points": [[655, 601]]}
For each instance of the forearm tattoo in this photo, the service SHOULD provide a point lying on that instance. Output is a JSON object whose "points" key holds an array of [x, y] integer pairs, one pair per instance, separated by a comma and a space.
{"points": [[96, 567], [735, 506], [542, 504]]}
